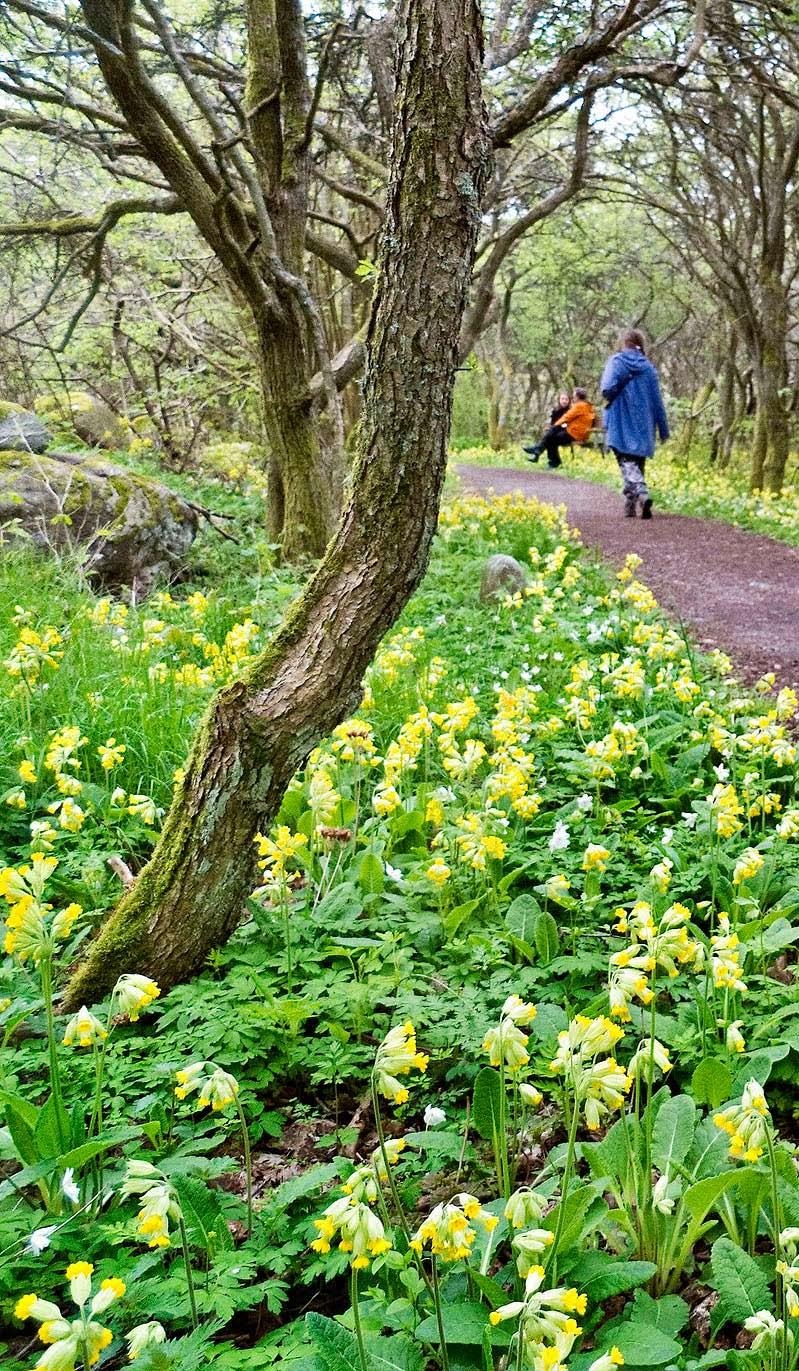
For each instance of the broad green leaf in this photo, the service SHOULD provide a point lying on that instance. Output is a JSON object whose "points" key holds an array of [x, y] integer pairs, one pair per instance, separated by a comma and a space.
{"points": [[673, 1133], [711, 1082], [740, 1281], [758, 1065], [464, 1322], [441, 1141], [21, 1118], [397, 1353], [52, 1132], [610, 1156], [547, 941], [337, 1347], [486, 1103], [700, 1197], [605, 1277], [670, 1313], [458, 915], [644, 1344], [300, 1186], [521, 917], [76, 1157], [371, 876]]}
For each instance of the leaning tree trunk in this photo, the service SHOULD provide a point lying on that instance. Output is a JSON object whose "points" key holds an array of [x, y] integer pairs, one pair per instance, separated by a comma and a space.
{"points": [[259, 730]]}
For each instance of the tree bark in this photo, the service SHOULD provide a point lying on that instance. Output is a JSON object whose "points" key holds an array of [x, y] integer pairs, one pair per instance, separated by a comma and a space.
{"points": [[258, 731]]}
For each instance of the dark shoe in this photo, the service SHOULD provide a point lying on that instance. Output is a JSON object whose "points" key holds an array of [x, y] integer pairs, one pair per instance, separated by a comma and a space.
{"points": [[646, 508], [556, 463], [535, 453], [629, 509]]}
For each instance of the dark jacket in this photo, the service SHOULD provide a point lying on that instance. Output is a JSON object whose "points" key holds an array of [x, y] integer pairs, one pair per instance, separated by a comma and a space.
{"points": [[635, 410]]}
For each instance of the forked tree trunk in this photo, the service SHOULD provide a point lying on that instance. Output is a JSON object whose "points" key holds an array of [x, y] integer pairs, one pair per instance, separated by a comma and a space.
{"points": [[259, 730]]}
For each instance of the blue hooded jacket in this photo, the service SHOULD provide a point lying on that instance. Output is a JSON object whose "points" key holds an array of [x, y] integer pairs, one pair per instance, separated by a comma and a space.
{"points": [[634, 404]]}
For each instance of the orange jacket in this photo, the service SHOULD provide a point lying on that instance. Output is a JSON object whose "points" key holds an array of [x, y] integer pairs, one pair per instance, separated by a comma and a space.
{"points": [[578, 420]]}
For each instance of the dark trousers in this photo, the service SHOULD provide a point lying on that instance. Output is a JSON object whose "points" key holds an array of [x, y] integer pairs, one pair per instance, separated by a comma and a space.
{"points": [[551, 442], [634, 486]]}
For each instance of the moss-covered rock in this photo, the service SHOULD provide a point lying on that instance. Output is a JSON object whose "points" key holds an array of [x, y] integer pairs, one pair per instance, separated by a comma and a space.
{"points": [[94, 422], [8, 407], [132, 530]]}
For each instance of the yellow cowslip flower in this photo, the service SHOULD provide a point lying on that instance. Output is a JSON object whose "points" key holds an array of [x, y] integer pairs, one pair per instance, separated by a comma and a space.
{"points": [[158, 1202], [111, 753], [725, 808], [747, 865], [607, 1361], [747, 1123], [438, 872], [448, 1231], [142, 1336], [557, 888], [385, 800], [27, 772], [529, 1247], [725, 958], [132, 994], [734, 1037], [217, 1087], [363, 1183], [595, 857], [85, 1029], [660, 875], [524, 1207], [649, 1050], [505, 1043], [360, 1232], [143, 807], [546, 1324], [278, 854], [396, 1056], [599, 1086]]}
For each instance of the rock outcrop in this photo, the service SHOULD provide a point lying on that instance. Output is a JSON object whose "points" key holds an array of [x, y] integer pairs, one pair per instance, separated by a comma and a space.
{"points": [[132, 531]]}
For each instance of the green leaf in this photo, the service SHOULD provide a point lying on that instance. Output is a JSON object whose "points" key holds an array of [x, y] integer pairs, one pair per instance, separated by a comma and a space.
{"points": [[758, 1065], [300, 1186], [371, 876], [51, 1134], [442, 1141], [397, 1353], [547, 941], [700, 1198], [584, 1210], [337, 1347], [464, 1322], [643, 1344], [486, 1103], [711, 1082], [670, 1313], [740, 1281], [521, 917], [458, 915], [202, 1213], [21, 1118], [673, 1133], [601, 1277], [609, 1158], [77, 1157]]}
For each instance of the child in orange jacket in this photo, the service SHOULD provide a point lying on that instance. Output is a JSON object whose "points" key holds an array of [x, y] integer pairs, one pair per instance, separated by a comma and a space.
{"points": [[572, 427]]}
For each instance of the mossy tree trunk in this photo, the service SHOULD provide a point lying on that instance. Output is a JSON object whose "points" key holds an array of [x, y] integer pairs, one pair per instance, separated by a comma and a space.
{"points": [[259, 730]]}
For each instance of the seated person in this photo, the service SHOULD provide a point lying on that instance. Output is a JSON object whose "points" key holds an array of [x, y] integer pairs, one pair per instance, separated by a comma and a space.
{"points": [[573, 426]]}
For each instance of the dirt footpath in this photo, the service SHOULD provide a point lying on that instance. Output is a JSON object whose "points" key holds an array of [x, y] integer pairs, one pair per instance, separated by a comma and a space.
{"points": [[735, 590]]}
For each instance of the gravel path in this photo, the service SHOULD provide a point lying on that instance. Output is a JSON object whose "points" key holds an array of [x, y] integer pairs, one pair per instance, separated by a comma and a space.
{"points": [[738, 591]]}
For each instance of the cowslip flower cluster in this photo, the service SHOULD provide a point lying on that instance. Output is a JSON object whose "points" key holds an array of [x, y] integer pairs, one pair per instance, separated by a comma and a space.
{"points": [[506, 1044], [396, 1056], [448, 1229], [747, 865], [547, 1325], [217, 1087], [72, 1341], [747, 1123], [725, 958], [158, 1202], [364, 1182], [789, 1270], [600, 1086], [360, 1231], [663, 945], [33, 929], [279, 856]]}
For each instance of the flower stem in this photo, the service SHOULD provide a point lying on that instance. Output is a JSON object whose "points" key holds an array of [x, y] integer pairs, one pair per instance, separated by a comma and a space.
{"points": [[184, 1240], [356, 1318], [567, 1175], [245, 1138], [439, 1314], [46, 971]]}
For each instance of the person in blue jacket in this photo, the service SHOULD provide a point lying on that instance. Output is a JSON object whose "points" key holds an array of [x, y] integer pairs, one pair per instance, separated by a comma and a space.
{"points": [[634, 415]]}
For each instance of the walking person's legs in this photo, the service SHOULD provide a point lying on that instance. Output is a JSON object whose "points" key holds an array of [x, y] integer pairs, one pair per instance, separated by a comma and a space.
{"points": [[634, 486]]}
